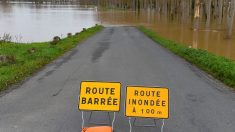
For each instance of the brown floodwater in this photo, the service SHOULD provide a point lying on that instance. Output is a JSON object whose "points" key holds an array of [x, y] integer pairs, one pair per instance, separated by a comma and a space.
{"points": [[211, 39], [27, 22]]}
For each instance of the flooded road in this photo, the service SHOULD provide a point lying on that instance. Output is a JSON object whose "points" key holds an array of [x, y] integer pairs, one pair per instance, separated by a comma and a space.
{"points": [[211, 39], [28, 22]]}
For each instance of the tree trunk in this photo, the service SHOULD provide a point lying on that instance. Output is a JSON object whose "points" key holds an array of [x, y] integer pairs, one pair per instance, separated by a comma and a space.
{"points": [[208, 13], [196, 14], [230, 19], [221, 3]]}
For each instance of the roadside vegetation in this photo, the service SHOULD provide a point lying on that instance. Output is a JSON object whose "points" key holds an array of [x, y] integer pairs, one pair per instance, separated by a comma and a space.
{"points": [[221, 68], [18, 60]]}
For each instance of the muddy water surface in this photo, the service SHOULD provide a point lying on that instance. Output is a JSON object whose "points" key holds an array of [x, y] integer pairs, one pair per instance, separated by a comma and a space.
{"points": [[211, 39]]}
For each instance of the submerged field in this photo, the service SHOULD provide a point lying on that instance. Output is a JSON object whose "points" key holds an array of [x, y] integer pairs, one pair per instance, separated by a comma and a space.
{"points": [[18, 61], [219, 67]]}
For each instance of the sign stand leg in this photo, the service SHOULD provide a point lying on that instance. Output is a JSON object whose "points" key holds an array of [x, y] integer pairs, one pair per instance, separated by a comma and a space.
{"points": [[98, 123], [83, 121], [130, 124], [153, 125]]}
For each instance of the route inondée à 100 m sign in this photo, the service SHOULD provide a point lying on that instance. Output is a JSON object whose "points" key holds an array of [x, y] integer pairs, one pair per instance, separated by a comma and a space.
{"points": [[147, 102]]}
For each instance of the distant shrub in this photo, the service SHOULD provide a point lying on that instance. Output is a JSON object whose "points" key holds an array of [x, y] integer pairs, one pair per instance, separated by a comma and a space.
{"points": [[11, 59], [55, 40], [32, 50], [69, 35], [7, 59], [84, 29], [3, 58], [6, 37], [77, 33]]}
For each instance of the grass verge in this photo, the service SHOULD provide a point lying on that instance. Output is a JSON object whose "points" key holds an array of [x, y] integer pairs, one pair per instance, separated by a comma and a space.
{"points": [[221, 68], [25, 59]]}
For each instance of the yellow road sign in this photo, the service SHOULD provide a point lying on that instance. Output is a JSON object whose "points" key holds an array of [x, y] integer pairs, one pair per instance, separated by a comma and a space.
{"points": [[151, 102], [100, 96]]}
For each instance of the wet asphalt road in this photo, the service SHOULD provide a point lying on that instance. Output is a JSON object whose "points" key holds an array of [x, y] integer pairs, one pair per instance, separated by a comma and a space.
{"points": [[47, 102]]}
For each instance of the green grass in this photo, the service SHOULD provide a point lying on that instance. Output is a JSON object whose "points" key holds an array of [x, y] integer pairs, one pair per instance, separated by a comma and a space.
{"points": [[221, 68], [26, 63]]}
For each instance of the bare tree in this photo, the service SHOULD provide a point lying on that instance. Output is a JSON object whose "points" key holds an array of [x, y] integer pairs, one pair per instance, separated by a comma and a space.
{"points": [[208, 12], [230, 18], [220, 12], [196, 14]]}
